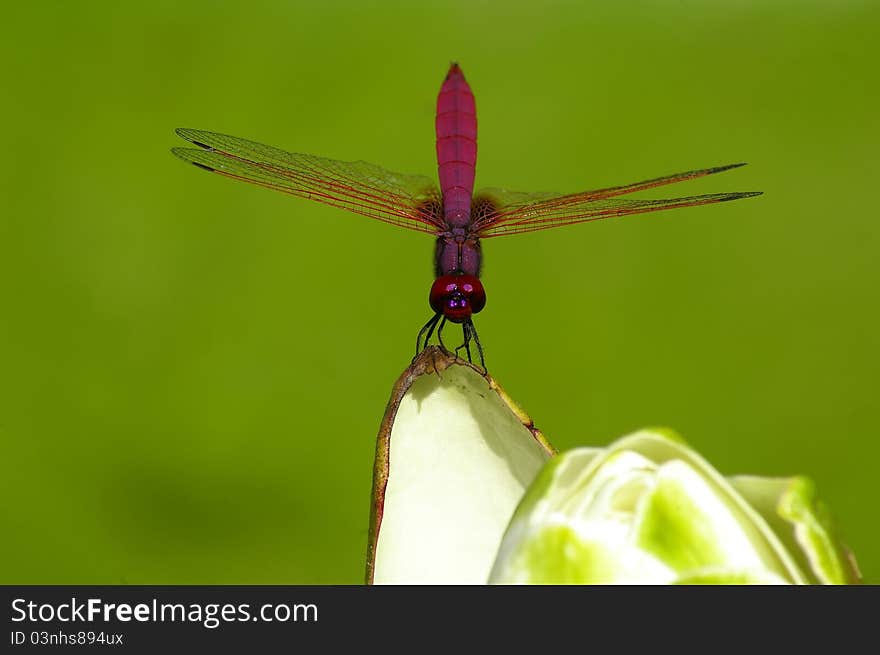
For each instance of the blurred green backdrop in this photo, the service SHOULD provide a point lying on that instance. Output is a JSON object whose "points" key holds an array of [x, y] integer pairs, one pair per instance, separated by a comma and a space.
{"points": [[194, 370]]}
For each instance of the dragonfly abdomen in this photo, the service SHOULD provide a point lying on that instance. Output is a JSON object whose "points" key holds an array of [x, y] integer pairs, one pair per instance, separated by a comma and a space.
{"points": [[456, 127]]}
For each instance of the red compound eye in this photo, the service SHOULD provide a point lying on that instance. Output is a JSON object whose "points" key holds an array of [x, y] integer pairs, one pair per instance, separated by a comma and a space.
{"points": [[457, 297]]}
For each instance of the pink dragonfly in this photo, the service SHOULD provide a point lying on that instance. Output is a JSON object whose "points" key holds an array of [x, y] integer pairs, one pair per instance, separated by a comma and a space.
{"points": [[456, 216]]}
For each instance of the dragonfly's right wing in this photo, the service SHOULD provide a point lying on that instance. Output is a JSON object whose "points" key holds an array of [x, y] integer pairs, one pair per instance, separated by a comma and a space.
{"points": [[410, 201], [499, 212]]}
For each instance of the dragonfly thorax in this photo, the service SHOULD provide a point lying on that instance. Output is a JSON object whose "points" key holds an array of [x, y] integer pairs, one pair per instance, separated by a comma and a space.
{"points": [[457, 296], [457, 253]]}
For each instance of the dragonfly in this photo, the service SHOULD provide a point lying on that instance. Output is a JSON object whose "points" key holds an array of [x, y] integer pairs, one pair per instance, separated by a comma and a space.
{"points": [[457, 217]]}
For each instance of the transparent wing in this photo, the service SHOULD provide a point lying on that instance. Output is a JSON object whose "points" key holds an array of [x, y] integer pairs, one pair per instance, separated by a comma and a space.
{"points": [[410, 201], [500, 212]]}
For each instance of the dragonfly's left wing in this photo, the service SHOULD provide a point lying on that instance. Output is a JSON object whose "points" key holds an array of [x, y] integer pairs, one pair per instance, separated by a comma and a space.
{"points": [[410, 201], [498, 212]]}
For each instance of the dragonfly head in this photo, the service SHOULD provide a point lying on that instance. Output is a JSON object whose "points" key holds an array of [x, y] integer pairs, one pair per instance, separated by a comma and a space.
{"points": [[457, 297]]}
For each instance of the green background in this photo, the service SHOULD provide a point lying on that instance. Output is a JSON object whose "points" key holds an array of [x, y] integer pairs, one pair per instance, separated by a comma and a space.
{"points": [[194, 370]]}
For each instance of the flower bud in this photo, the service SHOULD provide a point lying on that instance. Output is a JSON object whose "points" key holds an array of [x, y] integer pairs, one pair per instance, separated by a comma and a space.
{"points": [[649, 510]]}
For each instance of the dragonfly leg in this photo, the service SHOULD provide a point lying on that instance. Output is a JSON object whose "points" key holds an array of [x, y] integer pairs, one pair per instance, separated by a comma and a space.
{"points": [[479, 345], [429, 328], [466, 330], [440, 333]]}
